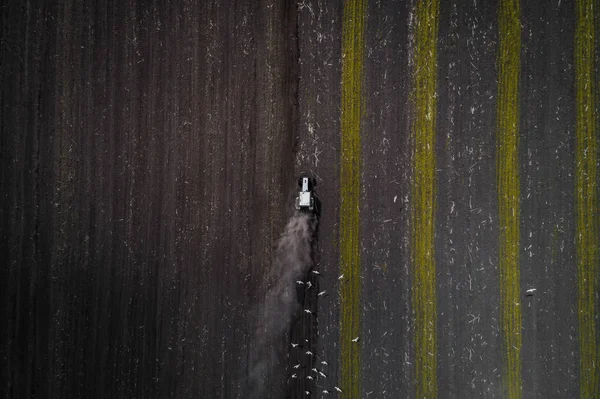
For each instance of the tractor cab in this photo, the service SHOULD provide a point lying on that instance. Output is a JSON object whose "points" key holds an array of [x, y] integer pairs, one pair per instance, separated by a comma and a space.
{"points": [[305, 201]]}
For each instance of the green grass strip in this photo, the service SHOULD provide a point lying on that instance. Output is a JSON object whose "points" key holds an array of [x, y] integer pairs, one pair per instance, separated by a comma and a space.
{"points": [[353, 28], [586, 193], [509, 65], [423, 198]]}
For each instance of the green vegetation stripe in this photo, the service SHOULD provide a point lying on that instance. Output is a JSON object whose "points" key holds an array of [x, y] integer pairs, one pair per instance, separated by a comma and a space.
{"points": [[353, 27], [509, 193], [586, 193], [423, 197]]}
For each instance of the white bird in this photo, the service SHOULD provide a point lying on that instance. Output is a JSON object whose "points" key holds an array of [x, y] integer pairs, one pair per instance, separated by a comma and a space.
{"points": [[314, 370], [294, 376], [309, 353], [299, 282], [294, 345], [316, 272], [308, 285], [308, 377], [321, 293], [355, 339], [306, 392], [322, 374], [307, 311], [341, 276], [337, 389], [325, 391], [297, 366], [324, 362]]}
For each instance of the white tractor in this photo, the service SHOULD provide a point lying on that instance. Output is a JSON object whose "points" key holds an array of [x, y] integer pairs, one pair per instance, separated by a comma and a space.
{"points": [[305, 201]]}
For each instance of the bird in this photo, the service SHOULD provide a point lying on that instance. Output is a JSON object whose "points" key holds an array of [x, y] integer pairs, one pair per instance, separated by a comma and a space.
{"points": [[324, 362], [316, 272], [297, 366], [308, 285], [355, 339], [299, 282], [307, 392], [307, 311], [294, 376], [322, 374], [325, 391], [309, 353], [308, 377], [314, 370], [321, 293], [337, 389], [294, 345], [341, 276]]}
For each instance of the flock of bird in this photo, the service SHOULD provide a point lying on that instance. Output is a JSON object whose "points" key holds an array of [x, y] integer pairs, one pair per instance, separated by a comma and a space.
{"points": [[314, 371]]}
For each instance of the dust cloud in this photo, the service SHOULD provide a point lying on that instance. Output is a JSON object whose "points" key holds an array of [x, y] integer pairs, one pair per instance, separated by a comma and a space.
{"points": [[293, 259]]}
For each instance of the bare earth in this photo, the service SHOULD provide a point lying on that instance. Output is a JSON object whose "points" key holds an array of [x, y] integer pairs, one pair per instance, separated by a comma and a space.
{"points": [[149, 152]]}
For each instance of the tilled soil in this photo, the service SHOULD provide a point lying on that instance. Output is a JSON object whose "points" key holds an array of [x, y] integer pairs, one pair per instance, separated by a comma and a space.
{"points": [[149, 153]]}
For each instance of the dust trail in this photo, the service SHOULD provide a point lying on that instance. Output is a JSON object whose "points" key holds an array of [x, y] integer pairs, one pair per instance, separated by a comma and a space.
{"points": [[293, 259]]}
